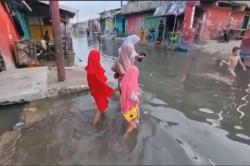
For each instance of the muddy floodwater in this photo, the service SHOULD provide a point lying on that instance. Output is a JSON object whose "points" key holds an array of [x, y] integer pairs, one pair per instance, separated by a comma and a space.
{"points": [[191, 114]]}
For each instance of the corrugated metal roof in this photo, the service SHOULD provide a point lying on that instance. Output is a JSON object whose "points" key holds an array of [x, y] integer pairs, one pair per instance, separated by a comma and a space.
{"points": [[170, 8], [243, 2], [237, 3], [138, 6], [110, 13], [62, 7]]}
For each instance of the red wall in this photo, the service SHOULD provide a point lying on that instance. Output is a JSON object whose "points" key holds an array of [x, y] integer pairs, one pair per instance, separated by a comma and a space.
{"points": [[215, 20], [237, 19], [8, 35]]}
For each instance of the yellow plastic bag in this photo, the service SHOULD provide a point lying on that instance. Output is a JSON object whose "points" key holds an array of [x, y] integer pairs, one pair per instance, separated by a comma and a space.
{"points": [[131, 114]]}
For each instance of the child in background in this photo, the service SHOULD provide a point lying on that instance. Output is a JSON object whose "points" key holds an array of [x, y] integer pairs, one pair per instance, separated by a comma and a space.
{"points": [[97, 84], [130, 98], [142, 34], [233, 61]]}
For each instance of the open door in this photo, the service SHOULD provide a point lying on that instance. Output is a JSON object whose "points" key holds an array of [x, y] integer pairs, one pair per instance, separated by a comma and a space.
{"points": [[246, 22]]}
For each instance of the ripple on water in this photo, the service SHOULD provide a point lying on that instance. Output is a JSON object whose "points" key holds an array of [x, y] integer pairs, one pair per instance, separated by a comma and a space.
{"points": [[242, 114], [206, 110]]}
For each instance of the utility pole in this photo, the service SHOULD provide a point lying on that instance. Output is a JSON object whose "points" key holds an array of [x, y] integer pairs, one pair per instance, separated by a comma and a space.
{"points": [[56, 26], [121, 3]]}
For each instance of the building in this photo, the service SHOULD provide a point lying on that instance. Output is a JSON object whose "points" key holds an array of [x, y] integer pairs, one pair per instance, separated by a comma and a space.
{"points": [[218, 15], [108, 20], [94, 26], [172, 15], [28, 21], [204, 20], [40, 20], [80, 27], [135, 13]]}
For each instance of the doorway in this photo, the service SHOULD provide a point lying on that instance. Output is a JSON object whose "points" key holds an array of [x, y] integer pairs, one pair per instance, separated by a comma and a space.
{"points": [[245, 23]]}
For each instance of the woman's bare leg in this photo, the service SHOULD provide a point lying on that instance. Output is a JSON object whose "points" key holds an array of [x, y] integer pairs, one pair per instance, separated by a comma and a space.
{"points": [[128, 131], [96, 117]]}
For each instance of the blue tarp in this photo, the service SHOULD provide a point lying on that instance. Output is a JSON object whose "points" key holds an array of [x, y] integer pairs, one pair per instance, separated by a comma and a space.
{"points": [[170, 8]]}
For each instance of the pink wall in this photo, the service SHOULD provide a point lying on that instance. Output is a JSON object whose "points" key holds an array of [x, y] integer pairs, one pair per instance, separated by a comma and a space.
{"points": [[131, 24], [135, 22], [8, 35]]}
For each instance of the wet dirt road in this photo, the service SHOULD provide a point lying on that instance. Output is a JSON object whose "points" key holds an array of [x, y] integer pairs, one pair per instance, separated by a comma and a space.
{"points": [[191, 114]]}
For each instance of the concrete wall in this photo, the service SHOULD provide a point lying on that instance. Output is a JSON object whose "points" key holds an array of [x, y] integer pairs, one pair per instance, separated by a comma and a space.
{"points": [[8, 34]]}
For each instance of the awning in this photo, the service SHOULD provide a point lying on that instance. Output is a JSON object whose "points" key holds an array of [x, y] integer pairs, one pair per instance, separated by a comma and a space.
{"points": [[170, 8]]}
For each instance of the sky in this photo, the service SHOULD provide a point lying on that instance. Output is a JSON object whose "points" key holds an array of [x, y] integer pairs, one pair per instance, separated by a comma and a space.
{"points": [[90, 9]]}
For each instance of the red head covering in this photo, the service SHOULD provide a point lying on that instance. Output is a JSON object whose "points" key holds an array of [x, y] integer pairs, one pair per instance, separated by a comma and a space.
{"points": [[97, 80]]}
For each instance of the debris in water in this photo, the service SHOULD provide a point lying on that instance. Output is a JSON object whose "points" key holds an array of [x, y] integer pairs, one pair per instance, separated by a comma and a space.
{"points": [[20, 124], [206, 110], [211, 161], [32, 109], [243, 136], [179, 141], [213, 122], [238, 127], [151, 74], [179, 101]]}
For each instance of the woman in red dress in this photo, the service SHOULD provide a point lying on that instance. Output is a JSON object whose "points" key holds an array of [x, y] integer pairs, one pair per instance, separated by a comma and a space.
{"points": [[99, 89]]}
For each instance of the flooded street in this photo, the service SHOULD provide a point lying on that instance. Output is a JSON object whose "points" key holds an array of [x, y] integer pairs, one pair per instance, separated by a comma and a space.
{"points": [[191, 114]]}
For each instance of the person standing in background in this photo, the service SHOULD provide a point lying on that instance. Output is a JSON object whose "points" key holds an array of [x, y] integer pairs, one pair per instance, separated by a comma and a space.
{"points": [[142, 34], [160, 29]]}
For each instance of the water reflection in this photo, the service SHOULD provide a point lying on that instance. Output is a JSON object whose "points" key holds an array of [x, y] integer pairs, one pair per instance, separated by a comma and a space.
{"points": [[186, 118]]}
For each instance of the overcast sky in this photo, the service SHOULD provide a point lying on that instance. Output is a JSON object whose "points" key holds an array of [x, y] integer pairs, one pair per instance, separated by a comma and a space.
{"points": [[90, 9]]}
